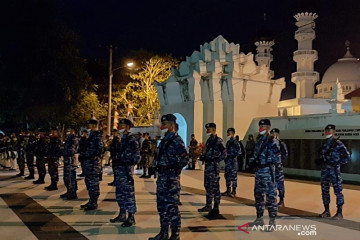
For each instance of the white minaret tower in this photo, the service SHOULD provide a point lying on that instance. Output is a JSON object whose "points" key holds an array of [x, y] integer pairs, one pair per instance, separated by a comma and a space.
{"points": [[263, 55], [305, 77]]}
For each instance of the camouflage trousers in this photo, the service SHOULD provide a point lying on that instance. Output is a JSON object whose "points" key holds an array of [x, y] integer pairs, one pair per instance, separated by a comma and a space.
{"points": [[92, 173], [30, 162], [53, 163], [125, 189], [167, 199], [265, 185], [21, 161], [279, 178], [231, 176], [70, 175], [331, 175], [40, 165], [211, 183]]}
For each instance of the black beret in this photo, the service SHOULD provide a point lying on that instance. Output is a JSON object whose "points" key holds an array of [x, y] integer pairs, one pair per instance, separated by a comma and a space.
{"points": [[330, 126], [92, 121], [168, 117], [126, 122], [146, 134], [231, 130], [193, 135], [84, 131], [114, 130], [264, 122], [275, 130], [210, 125], [54, 128]]}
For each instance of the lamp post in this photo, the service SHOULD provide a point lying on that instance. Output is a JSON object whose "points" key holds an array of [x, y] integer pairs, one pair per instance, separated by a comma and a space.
{"points": [[111, 71]]}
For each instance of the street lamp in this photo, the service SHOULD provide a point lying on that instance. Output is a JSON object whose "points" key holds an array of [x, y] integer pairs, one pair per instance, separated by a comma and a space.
{"points": [[111, 71]]}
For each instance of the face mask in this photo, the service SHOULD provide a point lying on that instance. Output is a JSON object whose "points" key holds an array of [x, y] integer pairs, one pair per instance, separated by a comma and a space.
{"points": [[67, 133], [164, 130], [122, 130], [208, 133], [229, 137], [262, 131], [328, 135]]}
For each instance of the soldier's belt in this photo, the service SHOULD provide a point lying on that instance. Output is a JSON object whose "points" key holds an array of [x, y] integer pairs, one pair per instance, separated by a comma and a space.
{"points": [[332, 164]]}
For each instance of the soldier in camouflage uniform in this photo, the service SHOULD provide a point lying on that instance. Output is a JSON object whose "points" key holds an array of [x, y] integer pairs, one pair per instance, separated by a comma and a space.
{"points": [[145, 155], [30, 153], [93, 153], [171, 158], [20, 148], [333, 153], [126, 157], [53, 159], [82, 150], [279, 172], [41, 149], [12, 151], [215, 152], [233, 150], [113, 146], [267, 153], [70, 149]]}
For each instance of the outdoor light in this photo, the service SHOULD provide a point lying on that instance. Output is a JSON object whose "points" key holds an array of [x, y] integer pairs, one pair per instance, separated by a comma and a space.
{"points": [[130, 64]]}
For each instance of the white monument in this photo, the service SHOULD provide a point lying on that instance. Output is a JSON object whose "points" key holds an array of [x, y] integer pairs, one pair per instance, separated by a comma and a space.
{"points": [[223, 85]]}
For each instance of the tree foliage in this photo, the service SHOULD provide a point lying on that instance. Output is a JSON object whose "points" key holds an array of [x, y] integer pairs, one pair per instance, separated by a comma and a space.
{"points": [[142, 92]]}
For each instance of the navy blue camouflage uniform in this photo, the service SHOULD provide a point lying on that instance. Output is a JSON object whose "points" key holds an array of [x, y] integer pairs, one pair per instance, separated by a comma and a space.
{"points": [[92, 155], [266, 154], [334, 154], [71, 146], [127, 155], [233, 150], [279, 171], [171, 158], [40, 150], [53, 158], [215, 153], [30, 153], [21, 146]]}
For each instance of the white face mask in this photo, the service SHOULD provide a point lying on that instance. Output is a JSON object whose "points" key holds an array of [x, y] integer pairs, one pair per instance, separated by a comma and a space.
{"points": [[329, 136], [262, 132], [228, 137], [208, 134], [122, 130], [67, 133], [163, 131]]}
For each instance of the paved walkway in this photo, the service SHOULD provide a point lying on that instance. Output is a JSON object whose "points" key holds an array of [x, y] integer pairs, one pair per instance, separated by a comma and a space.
{"points": [[27, 211]]}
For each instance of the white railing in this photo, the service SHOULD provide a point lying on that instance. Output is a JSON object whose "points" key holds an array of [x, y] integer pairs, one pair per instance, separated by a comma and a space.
{"points": [[303, 74], [302, 52]]}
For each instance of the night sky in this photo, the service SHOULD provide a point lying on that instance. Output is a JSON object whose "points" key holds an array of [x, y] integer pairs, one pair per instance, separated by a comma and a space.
{"points": [[180, 27]]}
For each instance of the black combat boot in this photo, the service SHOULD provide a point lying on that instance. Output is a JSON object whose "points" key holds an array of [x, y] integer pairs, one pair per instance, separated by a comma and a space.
{"points": [[281, 203], [233, 193], [85, 205], [120, 218], [272, 224], [259, 221], [175, 235], [338, 214], [326, 213], [31, 176], [72, 196], [163, 235], [39, 181], [91, 206], [130, 221], [214, 212], [20, 174], [52, 187], [65, 195], [226, 193], [207, 208]]}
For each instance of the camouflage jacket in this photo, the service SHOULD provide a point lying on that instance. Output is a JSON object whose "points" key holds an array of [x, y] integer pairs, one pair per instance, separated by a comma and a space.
{"points": [[41, 147], [334, 152], [55, 146], [233, 148], [71, 146], [171, 152], [94, 145], [128, 152], [267, 151], [215, 150]]}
